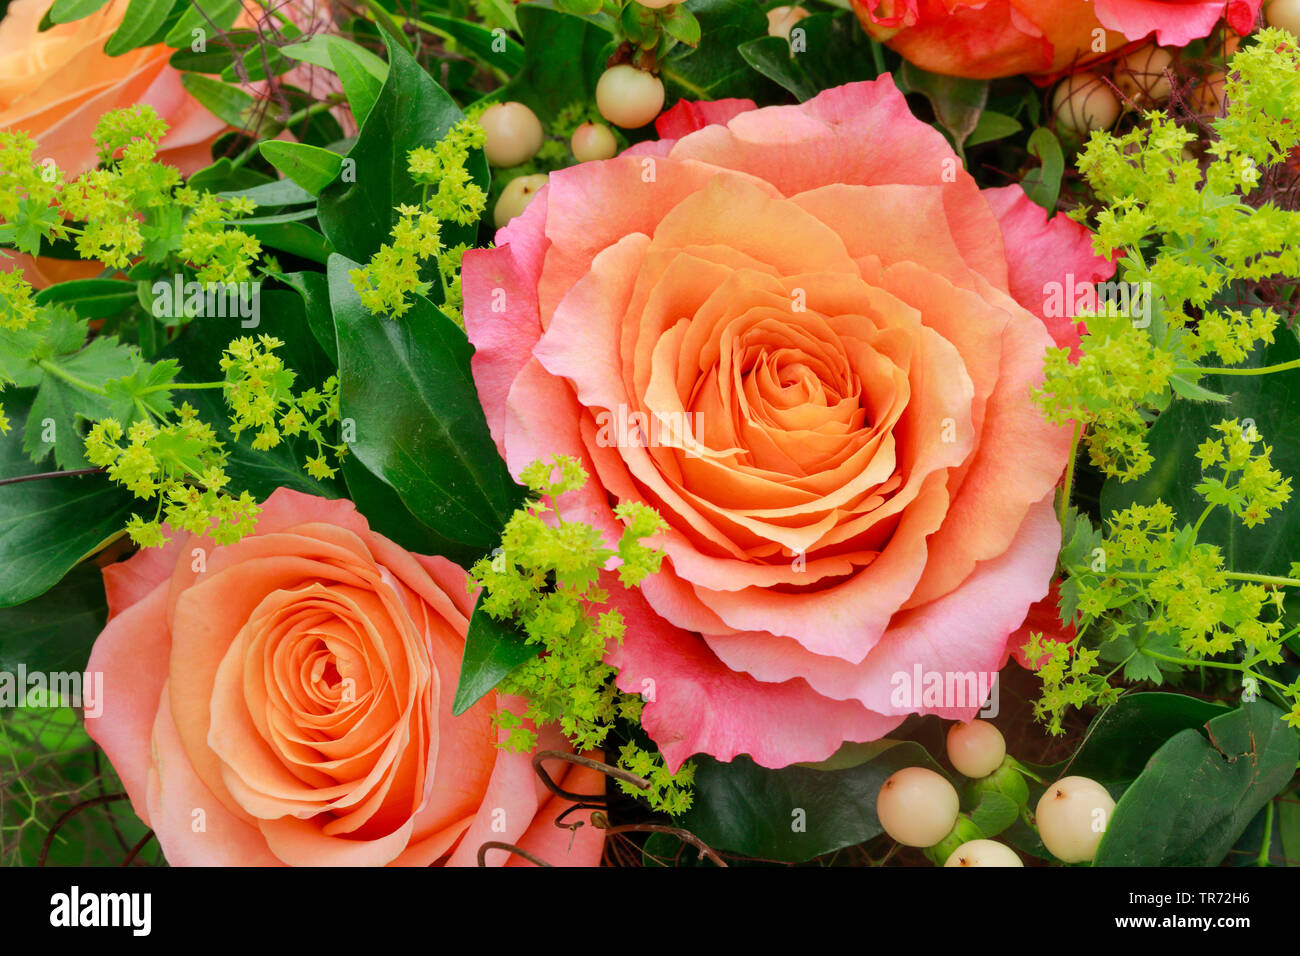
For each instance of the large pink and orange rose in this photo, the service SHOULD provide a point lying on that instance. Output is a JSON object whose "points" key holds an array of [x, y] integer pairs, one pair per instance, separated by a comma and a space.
{"points": [[830, 335], [990, 38], [287, 700]]}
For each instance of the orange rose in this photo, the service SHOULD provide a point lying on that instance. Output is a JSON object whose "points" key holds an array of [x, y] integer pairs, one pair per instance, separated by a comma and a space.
{"points": [[57, 84], [808, 339], [989, 38], [287, 700]]}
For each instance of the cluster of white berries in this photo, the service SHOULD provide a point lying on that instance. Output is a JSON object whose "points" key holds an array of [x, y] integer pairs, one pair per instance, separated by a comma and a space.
{"points": [[920, 808]]}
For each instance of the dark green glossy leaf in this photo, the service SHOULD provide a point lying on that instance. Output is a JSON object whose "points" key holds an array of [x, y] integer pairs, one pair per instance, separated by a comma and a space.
{"points": [[90, 298], [831, 50], [310, 167], [49, 525], [407, 389], [716, 68], [796, 813], [54, 632], [563, 58], [1201, 789], [357, 210], [492, 650]]}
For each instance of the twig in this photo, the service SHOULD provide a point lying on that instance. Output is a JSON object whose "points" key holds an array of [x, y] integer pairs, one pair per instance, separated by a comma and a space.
{"points": [[509, 848], [68, 815]]}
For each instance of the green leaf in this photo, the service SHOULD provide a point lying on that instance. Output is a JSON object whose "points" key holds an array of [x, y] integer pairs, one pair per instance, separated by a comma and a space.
{"points": [[90, 298], [216, 58], [1200, 790], [357, 212], [317, 49], [680, 24], [1121, 739], [294, 237], [994, 813], [138, 26], [833, 51], [1186, 388], [53, 634], [564, 56], [1272, 403], [360, 86], [957, 102], [49, 525], [796, 813], [716, 68], [310, 167], [492, 650], [315, 292], [62, 406], [1288, 825], [65, 11], [209, 16], [493, 49], [281, 192], [228, 103], [383, 508], [993, 126], [1044, 184], [407, 387]]}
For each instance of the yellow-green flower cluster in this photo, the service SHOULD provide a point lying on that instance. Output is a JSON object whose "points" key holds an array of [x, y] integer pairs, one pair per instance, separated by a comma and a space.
{"points": [[180, 463], [260, 395], [386, 283], [132, 207], [546, 577]]}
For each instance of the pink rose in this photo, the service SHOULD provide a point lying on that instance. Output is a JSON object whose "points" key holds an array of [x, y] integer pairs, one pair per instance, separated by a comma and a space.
{"points": [[287, 700], [808, 339]]}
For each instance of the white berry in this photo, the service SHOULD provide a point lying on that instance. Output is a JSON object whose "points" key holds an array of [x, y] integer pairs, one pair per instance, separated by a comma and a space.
{"points": [[1141, 75], [629, 97], [593, 141], [983, 853], [1284, 14], [976, 749], [1072, 817], [514, 134], [917, 807], [516, 196], [1083, 102], [780, 20]]}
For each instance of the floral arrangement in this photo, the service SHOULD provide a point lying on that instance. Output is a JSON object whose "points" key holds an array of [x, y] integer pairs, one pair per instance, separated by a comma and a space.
{"points": [[629, 433]]}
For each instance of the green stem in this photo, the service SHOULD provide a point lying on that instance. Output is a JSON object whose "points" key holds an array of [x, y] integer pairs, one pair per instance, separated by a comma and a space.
{"points": [[1068, 484], [1230, 575], [1262, 859], [1223, 665], [1201, 520], [1264, 370]]}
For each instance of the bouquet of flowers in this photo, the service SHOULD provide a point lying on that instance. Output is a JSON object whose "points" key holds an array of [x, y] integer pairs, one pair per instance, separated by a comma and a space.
{"points": [[645, 433]]}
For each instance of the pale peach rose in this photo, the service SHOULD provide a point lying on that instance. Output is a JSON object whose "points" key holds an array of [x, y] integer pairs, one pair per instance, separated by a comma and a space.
{"points": [[287, 700], [808, 339], [57, 84]]}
